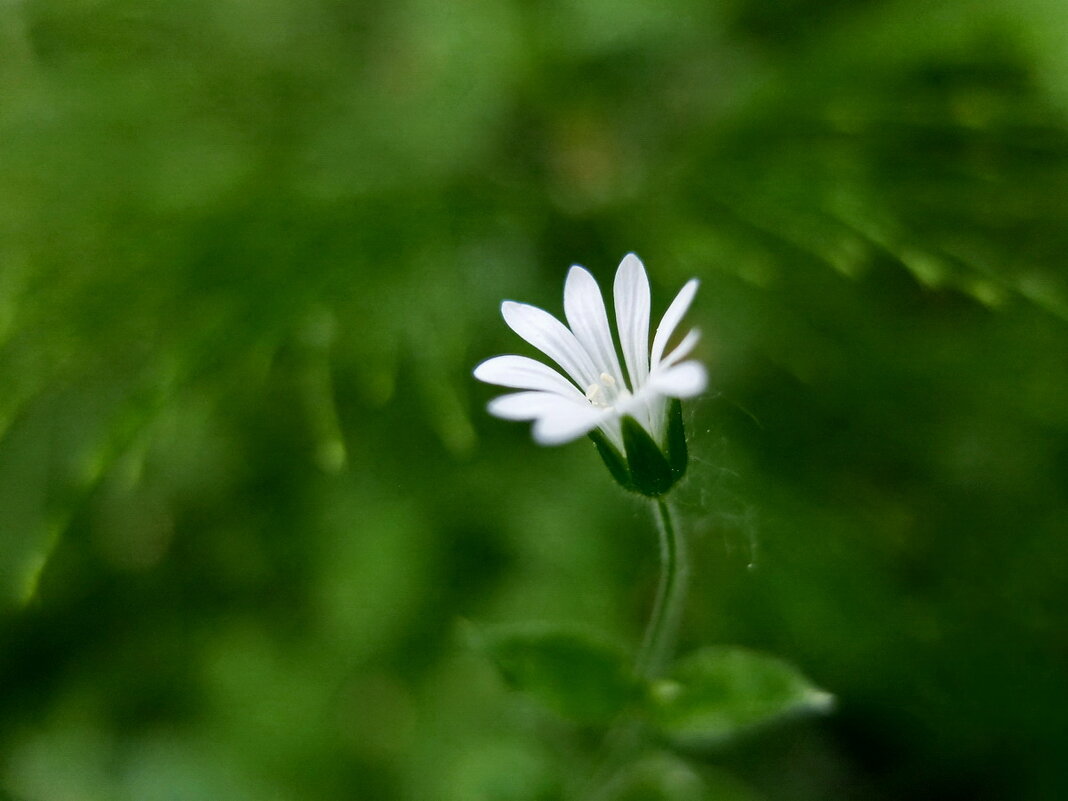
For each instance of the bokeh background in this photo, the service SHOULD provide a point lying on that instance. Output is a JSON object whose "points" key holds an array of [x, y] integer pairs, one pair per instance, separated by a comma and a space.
{"points": [[250, 502]]}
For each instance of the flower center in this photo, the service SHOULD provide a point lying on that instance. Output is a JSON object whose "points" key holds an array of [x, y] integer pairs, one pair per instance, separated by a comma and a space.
{"points": [[606, 392]]}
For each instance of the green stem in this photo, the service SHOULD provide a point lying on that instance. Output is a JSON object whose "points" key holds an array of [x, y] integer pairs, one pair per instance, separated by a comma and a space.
{"points": [[663, 628], [624, 738]]}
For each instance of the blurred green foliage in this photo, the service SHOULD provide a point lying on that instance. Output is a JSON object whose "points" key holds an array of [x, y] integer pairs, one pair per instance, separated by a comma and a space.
{"points": [[250, 252]]}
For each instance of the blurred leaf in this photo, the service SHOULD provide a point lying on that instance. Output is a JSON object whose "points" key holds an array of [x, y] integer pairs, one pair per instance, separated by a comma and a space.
{"points": [[25, 536], [658, 778], [664, 777], [568, 670], [502, 770], [719, 692]]}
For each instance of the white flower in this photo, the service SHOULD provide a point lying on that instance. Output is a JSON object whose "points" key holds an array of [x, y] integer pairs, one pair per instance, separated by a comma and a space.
{"points": [[592, 391]]}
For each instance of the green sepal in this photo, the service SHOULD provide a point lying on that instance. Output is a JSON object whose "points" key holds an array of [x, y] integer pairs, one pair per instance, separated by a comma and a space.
{"points": [[613, 460], [649, 469], [678, 456]]}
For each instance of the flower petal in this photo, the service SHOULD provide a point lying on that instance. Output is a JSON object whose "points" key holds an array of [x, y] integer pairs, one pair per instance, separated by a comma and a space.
{"points": [[523, 405], [631, 293], [681, 381], [557, 419], [520, 372], [552, 338], [584, 309], [682, 350], [566, 421], [671, 319]]}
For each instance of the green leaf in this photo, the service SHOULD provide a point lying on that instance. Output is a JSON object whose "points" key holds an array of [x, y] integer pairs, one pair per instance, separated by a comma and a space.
{"points": [[666, 777], [570, 671], [649, 469], [660, 777], [719, 692]]}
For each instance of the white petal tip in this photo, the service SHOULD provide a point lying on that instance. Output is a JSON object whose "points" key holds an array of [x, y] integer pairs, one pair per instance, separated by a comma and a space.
{"points": [[549, 440], [545, 433], [518, 405], [578, 273], [684, 380]]}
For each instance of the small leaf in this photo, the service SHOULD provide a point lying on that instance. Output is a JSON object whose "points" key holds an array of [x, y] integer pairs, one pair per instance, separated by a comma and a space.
{"points": [[658, 777], [717, 693], [570, 671], [666, 777]]}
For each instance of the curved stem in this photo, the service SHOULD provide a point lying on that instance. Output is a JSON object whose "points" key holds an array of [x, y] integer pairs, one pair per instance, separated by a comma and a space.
{"points": [[662, 631], [624, 738]]}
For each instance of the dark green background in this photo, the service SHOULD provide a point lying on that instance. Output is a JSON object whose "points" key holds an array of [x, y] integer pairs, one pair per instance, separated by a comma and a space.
{"points": [[249, 497]]}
